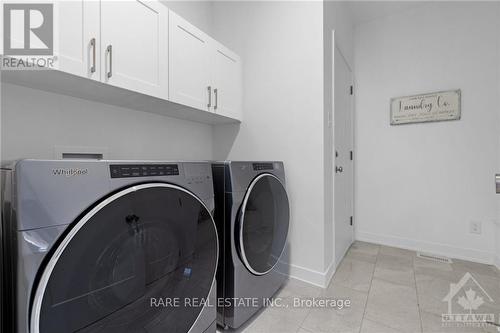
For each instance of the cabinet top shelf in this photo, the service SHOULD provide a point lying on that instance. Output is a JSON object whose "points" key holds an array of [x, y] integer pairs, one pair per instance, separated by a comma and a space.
{"points": [[67, 84]]}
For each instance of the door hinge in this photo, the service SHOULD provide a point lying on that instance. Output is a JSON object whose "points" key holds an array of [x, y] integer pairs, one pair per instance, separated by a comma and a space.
{"points": [[351, 155], [351, 220], [352, 90]]}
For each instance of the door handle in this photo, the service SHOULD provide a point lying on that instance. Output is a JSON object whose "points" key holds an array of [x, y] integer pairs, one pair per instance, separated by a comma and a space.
{"points": [[92, 44], [209, 96], [109, 50], [338, 169], [216, 98]]}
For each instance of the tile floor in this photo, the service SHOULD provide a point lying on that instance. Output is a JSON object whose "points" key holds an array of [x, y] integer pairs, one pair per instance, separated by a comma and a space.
{"points": [[391, 290]]}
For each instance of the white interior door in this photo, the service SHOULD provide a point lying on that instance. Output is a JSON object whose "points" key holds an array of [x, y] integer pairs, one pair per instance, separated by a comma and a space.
{"points": [[135, 45], [343, 159]]}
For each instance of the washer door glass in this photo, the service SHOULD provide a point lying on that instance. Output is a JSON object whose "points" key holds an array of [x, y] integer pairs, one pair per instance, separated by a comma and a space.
{"points": [[124, 264], [263, 224]]}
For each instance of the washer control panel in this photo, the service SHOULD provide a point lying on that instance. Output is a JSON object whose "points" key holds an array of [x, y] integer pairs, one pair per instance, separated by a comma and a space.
{"points": [[262, 166], [143, 170]]}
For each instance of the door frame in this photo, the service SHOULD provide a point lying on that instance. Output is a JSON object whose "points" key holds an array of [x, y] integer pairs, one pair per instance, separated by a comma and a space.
{"points": [[336, 47]]}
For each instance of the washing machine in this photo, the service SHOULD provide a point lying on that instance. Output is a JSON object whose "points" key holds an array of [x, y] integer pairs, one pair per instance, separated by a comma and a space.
{"points": [[252, 216], [109, 246]]}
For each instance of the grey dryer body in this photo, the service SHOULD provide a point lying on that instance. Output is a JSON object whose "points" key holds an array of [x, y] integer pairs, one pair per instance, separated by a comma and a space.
{"points": [[252, 217]]}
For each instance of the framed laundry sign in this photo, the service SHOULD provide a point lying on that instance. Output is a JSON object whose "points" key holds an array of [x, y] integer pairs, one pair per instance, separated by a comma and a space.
{"points": [[438, 106]]}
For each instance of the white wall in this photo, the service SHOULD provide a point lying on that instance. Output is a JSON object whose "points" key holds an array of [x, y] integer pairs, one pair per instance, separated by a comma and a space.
{"points": [[198, 13], [281, 45], [34, 122], [337, 21], [419, 186]]}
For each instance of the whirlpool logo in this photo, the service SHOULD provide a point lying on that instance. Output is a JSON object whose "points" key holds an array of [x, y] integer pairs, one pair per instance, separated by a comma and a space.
{"points": [[70, 172]]}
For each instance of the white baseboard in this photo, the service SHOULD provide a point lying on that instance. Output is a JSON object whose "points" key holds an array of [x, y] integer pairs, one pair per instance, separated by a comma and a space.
{"points": [[322, 279], [329, 272], [436, 248], [319, 279]]}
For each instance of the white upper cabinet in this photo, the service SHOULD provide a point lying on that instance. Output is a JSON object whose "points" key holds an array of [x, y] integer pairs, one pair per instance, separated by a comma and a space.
{"points": [[76, 33], [203, 73], [135, 46], [227, 82], [189, 64], [145, 49], [77, 37]]}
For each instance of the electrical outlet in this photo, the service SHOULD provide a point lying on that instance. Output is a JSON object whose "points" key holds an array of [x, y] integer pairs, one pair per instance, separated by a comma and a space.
{"points": [[475, 227]]}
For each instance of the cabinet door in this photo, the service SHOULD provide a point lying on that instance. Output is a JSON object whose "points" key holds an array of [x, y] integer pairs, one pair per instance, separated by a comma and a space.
{"points": [[189, 64], [75, 24], [227, 82], [135, 46], [77, 37]]}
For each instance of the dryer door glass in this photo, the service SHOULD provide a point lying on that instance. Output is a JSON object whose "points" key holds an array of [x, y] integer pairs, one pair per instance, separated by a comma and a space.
{"points": [[263, 224], [137, 262]]}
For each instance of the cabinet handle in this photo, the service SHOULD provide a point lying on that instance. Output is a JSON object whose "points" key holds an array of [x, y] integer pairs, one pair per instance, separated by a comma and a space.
{"points": [[92, 44], [209, 96], [109, 50], [216, 99]]}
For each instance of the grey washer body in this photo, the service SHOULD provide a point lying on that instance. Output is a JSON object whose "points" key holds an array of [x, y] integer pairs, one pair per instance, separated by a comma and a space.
{"points": [[234, 281], [38, 207]]}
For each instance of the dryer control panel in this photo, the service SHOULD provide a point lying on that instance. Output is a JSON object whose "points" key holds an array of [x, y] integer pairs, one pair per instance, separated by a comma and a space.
{"points": [[143, 170], [262, 166]]}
